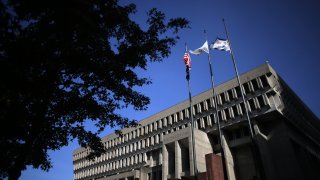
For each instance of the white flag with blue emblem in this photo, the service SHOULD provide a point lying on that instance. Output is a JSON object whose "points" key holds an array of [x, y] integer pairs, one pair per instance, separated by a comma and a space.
{"points": [[203, 48], [220, 44]]}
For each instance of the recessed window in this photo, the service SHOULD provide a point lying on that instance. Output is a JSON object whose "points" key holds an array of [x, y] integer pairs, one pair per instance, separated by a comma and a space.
{"points": [[255, 84], [264, 81]]}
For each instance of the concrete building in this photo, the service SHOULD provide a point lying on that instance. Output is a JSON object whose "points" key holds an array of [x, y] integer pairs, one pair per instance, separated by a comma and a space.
{"points": [[286, 131]]}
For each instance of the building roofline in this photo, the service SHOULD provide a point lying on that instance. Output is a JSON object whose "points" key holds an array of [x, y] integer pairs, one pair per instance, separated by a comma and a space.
{"points": [[260, 70]]}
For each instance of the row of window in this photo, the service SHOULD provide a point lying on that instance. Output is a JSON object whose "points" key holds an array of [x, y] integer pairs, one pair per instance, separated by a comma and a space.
{"points": [[133, 147], [201, 123], [222, 98], [126, 162]]}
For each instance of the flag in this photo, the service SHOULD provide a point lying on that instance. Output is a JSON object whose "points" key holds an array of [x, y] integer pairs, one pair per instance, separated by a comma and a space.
{"points": [[187, 62], [220, 44], [203, 48]]}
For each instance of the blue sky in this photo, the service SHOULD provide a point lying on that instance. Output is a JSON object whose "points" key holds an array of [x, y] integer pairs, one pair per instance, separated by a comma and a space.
{"points": [[286, 33]]}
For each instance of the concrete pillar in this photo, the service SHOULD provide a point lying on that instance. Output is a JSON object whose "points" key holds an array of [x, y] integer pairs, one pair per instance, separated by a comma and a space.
{"points": [[144, 157], [152, 140], [132, 160], [143, 143], [140, 158], [151, 159], [139, 145], [178, 162], [156, 125], [209, 121], [164, 122], [191, 156], [165, 162], [148, 142], [170, 120], [187, 113], [136, 159], [156, 141], [160, 123], [202, 123], [160, 156], [228, 160], [150, 127]]}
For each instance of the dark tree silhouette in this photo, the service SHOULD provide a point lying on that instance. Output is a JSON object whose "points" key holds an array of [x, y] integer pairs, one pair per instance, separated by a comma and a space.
{"points": [[65, 61]]}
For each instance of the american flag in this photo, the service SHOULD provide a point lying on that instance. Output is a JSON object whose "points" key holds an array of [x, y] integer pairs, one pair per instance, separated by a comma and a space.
{"points": [[187, 60]]}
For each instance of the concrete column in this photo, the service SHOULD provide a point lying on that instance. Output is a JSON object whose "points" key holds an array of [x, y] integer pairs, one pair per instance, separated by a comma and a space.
{"points": [[178, 162], [160, 157], [156, 141], [209, 121], [148, 142], [202, 123], [136, 159], [160, 123], [165, 162], [151, 160], [144, 157], [152, 140], [128, 161], [132, 160], [156, 125], [140, 158], [228, 160], [190, 156], [169, 120], [175, 118], [187, 113], [150, 127], [143, 143]]}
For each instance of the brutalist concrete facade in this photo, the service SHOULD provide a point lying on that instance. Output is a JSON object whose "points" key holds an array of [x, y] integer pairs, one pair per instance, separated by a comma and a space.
{"points": [[286, 131]]}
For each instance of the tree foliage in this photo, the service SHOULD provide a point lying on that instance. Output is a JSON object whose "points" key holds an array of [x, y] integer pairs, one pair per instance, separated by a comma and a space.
{"points": [[63, 62]]}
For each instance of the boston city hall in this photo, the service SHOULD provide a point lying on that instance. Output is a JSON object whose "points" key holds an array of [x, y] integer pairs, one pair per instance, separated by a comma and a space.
{"points": [[285, 142]]}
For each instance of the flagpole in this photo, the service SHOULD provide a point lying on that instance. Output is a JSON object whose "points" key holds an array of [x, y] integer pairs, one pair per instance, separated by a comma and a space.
{"points": [[195, 169], [255, 149], [216, 113], [239, 82]]}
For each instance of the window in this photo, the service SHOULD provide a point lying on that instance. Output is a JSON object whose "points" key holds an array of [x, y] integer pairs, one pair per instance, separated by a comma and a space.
{"points": [[246, 88], [251, 104], [195, 107], [223, 98], [255, 84], [205, 121], [229, 92], [264, 81], [260, 101], [209, 102], [234, 109], [238, 91], [212, 117], [227, 114], [202, 106]]}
